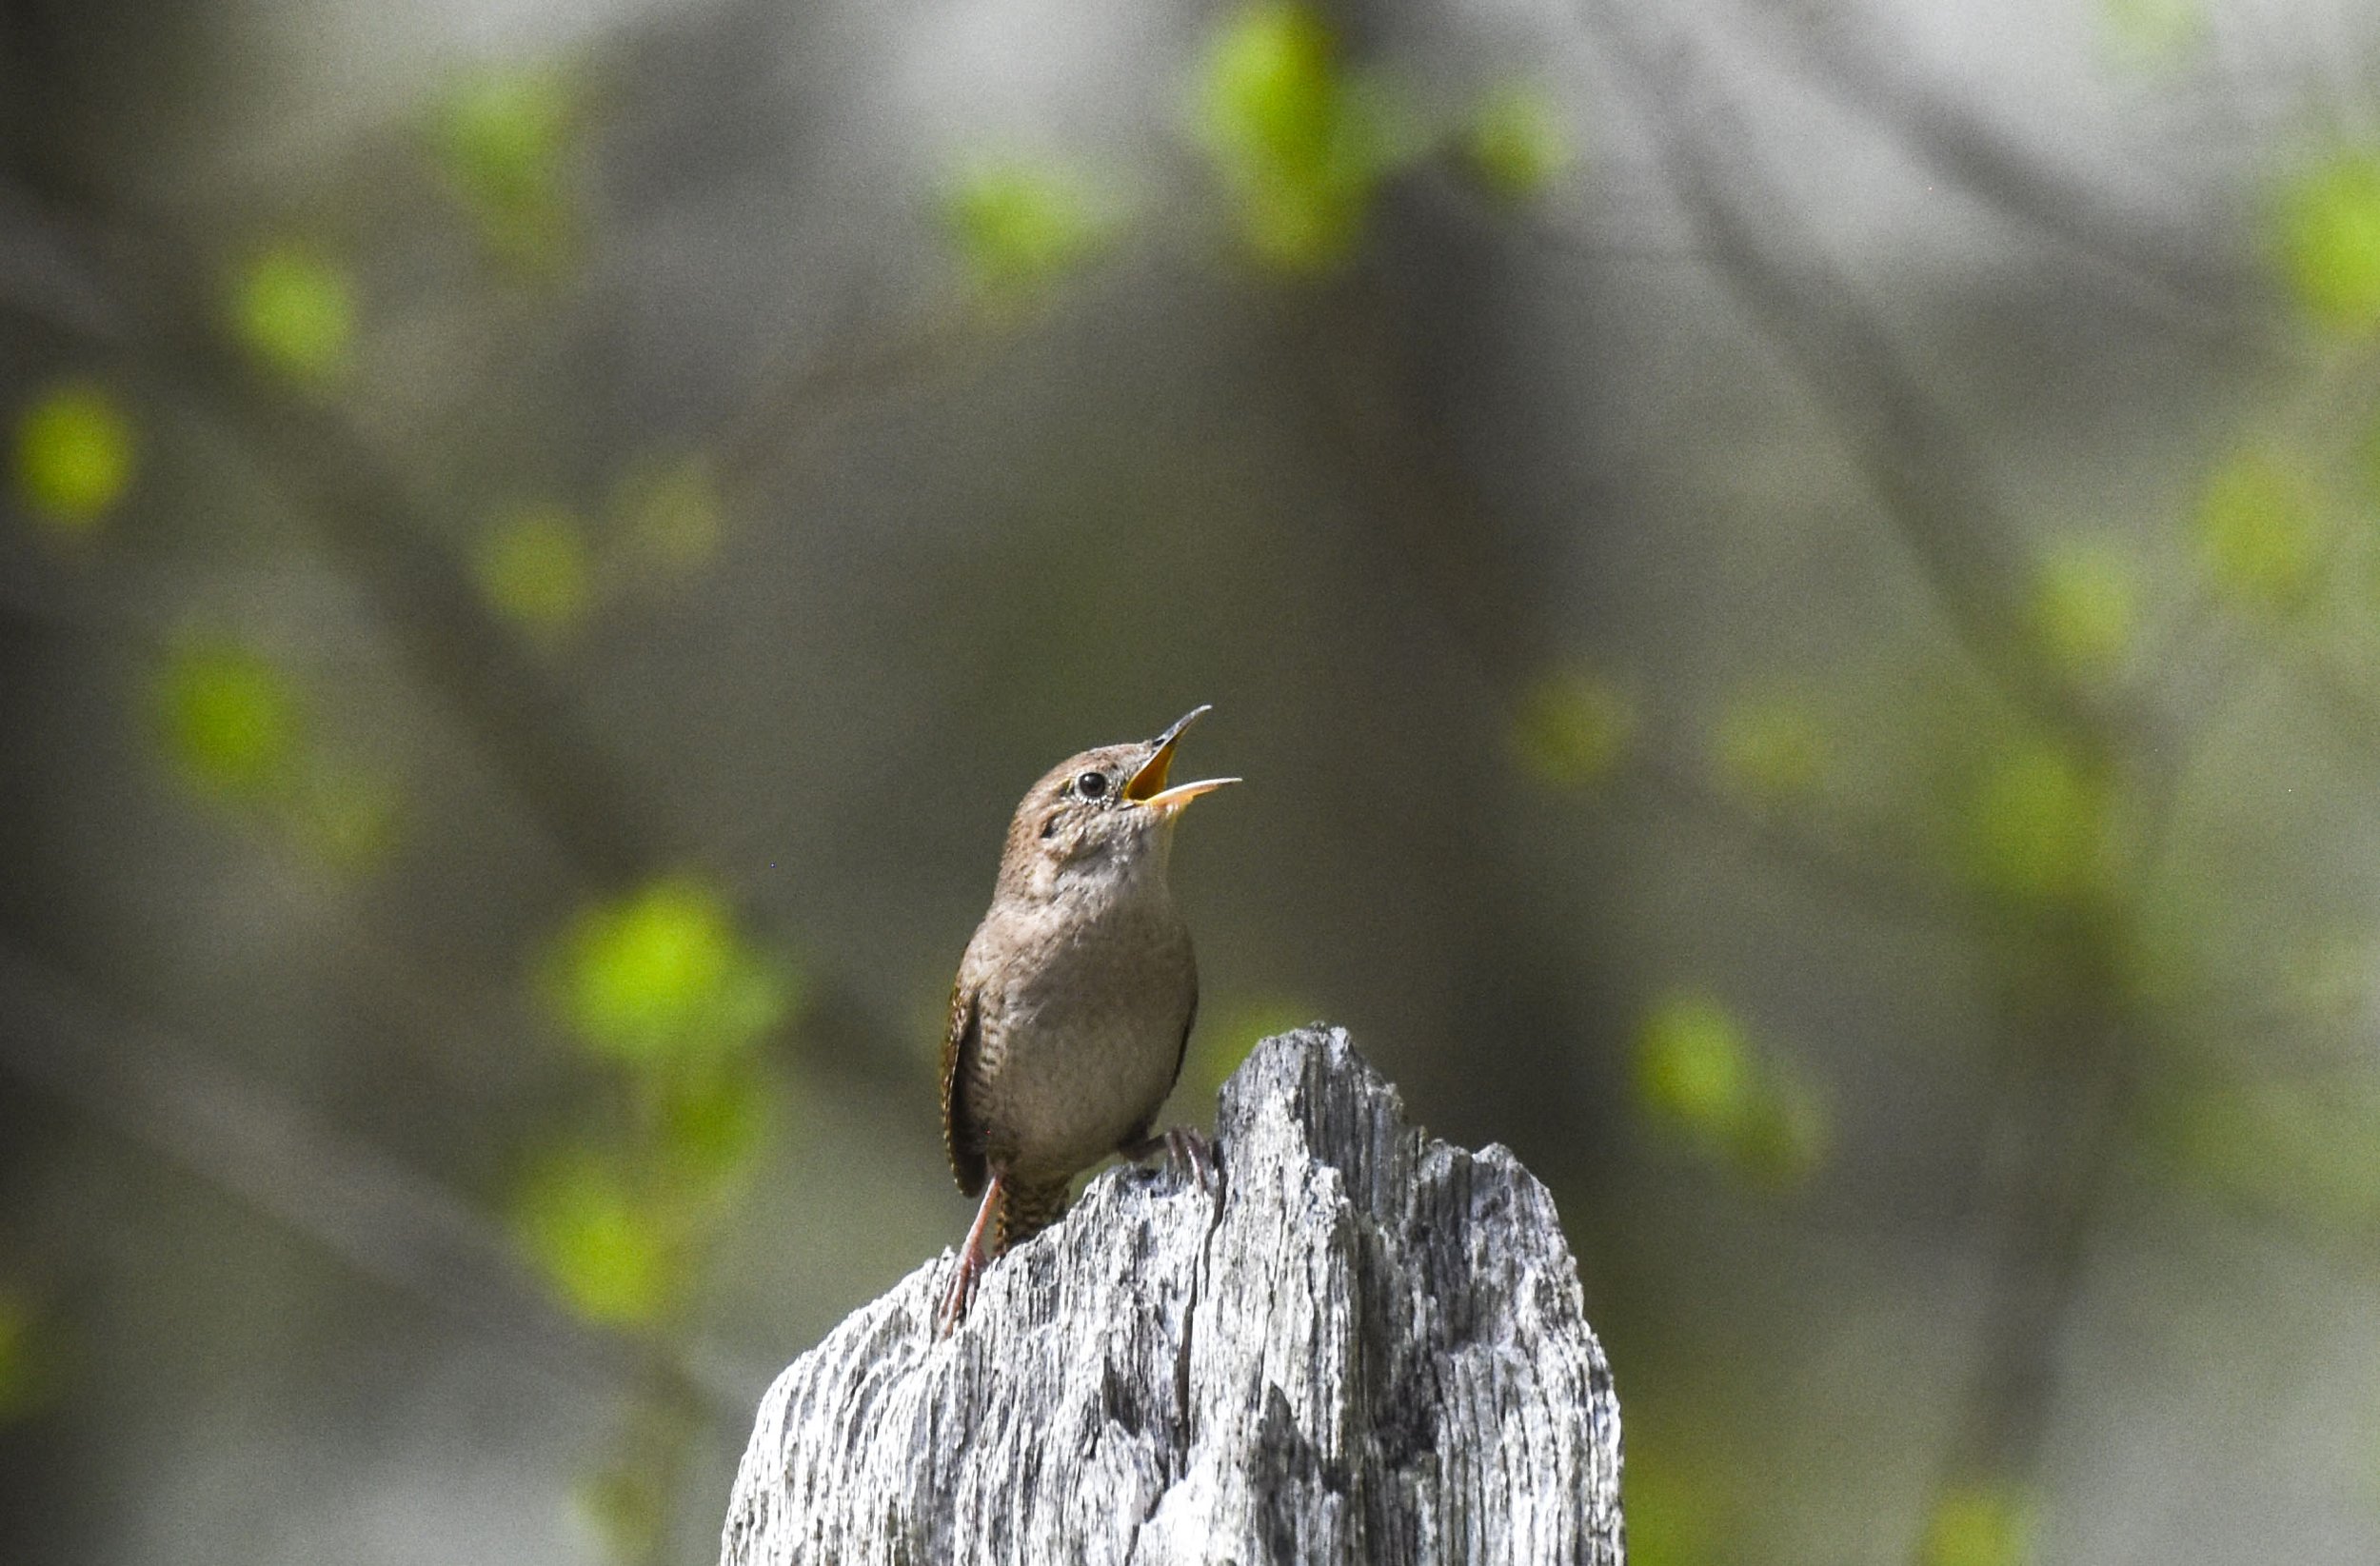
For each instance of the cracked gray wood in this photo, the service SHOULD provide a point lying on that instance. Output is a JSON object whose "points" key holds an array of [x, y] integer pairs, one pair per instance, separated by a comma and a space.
{"points": [[1371, 1348]]}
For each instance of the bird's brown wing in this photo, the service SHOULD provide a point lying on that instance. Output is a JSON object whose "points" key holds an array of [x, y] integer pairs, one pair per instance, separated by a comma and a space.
{"points": [[961, 1037]]}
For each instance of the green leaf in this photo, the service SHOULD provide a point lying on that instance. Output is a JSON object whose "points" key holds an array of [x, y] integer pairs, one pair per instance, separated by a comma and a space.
{"points": [[672, 511], [505, 138], [1770, 747], [2038, 825], [1301, 144], [2330, 240], [535, 570], [2084, 608], [663, 977], [295, 310], [1570, 729], [1695, 1069], [713, 1126], [610, 1255], [1699, 1078], [1019, 228], [1516, 144], [1979, 1524], [74, 456], [230, 720], [2259, 534]]}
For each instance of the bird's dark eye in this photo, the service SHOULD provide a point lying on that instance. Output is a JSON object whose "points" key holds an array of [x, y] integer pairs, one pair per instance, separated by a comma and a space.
{"points": [[1091, 785]]}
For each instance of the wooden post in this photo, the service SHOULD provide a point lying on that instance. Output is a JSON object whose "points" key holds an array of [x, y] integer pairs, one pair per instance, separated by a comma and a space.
{"points": [[1369, 1349]]}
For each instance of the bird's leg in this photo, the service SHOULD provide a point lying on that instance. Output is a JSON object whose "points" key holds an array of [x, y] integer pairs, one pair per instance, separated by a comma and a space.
{"points": [[971, 1261], [1185, 1148]]}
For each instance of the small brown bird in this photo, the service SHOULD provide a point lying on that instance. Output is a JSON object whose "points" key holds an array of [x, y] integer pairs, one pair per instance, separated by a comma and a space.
{"points": [[1074, 1001]]}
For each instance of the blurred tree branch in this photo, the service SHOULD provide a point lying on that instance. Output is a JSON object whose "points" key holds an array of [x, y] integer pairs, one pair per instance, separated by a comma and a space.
{"points": [[158, 333], [1828, 862], [122, 290], [1910, 455], [1849, 52], [2076, 1054], [802, 395], [388, 1222], [132, 301], [385, 530]]}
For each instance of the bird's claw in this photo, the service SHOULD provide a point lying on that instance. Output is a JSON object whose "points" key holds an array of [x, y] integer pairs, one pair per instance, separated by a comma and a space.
{"points": [[960, 1293], [1187, 1151]]}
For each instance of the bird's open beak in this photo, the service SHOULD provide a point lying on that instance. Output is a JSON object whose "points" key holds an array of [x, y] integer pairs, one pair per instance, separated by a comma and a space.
{"points": [[1147, 786]]}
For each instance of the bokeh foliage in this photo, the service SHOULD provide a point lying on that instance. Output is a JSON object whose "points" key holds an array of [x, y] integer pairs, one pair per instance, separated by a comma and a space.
{"points": [[294, 309], [2259, 532], [75, 455], [661, 981], [1979, 1525], [1769, 745], [1514, 143], [237, 732], [1019, 227], [1701, 1079], [229, 719], [2086, 611], [664, 993], [2022, 793], [507, 141], [1572, 728], [2328, 234], [1301, 138], [536, 569]]}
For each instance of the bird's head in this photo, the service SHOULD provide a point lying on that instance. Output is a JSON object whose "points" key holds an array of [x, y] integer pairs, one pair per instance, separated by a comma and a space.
{"points": [[1103, 817]]}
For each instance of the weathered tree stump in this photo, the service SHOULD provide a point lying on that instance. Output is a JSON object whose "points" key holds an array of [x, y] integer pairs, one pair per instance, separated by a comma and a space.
{"points": [[1370, 1348]]}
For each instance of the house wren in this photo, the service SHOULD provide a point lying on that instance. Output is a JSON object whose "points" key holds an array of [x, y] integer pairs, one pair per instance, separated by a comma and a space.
{"points": [[1075, 998]]}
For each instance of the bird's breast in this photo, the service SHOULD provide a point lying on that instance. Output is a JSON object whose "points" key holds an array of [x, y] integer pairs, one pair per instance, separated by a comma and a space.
{"points": [[1080, 1030]]}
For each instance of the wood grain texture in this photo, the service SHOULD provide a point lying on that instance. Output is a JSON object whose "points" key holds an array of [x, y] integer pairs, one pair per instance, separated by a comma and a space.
{"points": [[1370, 1348]]}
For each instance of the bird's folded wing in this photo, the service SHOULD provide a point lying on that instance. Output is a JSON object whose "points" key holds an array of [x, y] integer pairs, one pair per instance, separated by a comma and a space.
{"points": [[961, 1037]]}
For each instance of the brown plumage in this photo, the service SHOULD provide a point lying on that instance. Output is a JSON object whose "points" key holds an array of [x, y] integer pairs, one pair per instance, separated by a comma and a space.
{"points": [[1073, 1006]]}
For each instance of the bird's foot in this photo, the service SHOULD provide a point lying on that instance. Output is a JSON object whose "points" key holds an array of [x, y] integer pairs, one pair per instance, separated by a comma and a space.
{"points": [[971, 1259], [1187, 1149], [960, 1293]]}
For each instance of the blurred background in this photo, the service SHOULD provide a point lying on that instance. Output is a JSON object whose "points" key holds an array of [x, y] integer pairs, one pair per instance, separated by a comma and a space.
{"points": [[1797, 586]]}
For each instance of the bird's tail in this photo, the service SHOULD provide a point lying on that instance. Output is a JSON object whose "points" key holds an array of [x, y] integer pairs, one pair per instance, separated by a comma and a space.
{"points": [[1026, 1210]]}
